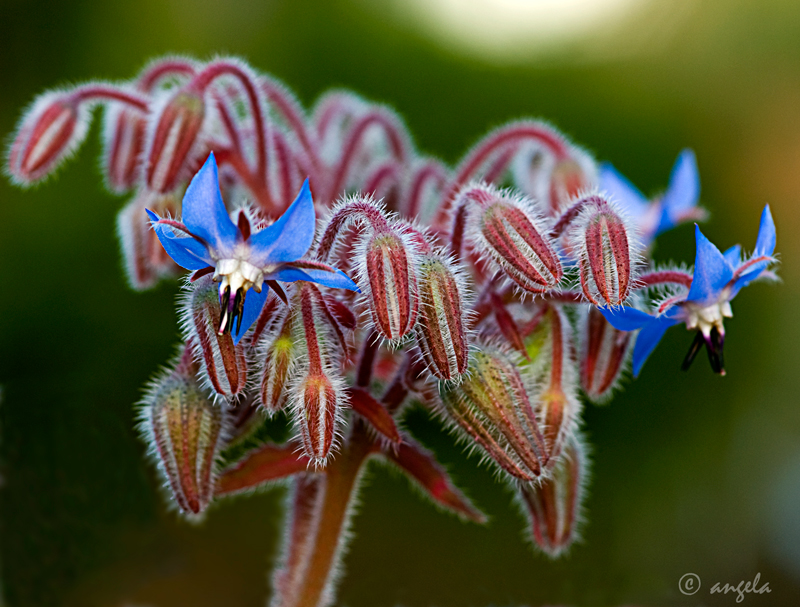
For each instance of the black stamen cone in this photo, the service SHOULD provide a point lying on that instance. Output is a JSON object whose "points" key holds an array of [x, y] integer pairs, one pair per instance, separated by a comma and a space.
{"points": [[714, 347], [238, 308], [698, 342], [224, 314]]}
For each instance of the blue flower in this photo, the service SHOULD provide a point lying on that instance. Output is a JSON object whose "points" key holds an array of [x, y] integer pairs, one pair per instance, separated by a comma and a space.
{"points": [[718, 278], [243, 262], [678, 204]]}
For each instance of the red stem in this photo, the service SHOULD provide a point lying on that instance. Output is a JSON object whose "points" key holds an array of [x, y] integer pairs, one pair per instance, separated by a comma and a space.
{"points": [[293, 114], [90, 92], [257, 188], [429, 171], [171, 67], [665, 277]]}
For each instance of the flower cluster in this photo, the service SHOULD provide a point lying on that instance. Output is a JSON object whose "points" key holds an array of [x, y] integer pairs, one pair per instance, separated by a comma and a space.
{"points": [[499, 293]]}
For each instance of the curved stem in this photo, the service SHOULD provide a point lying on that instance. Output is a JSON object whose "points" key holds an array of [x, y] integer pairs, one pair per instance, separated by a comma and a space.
{"points": [[665, 277], [148, 79], [386, 173], [430, 171], [354, 211], [107, 92], [572, 213], [256, 187], [293, 114]]}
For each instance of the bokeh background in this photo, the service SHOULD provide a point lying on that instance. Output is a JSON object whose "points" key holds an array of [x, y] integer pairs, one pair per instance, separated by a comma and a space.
{"points": [[692, 472]]}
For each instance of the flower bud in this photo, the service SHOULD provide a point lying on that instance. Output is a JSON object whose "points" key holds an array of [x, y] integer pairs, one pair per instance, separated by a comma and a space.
{"points": [[491, 404], [604, 245], [124, 136], [223, 363], [389, 276], [144, 258], [317, 390], [507, 230], [552, 504], [603, 355], [279, 356], [185, 427], [567, 181], [53, 128], [441, 335], [169, 148]]}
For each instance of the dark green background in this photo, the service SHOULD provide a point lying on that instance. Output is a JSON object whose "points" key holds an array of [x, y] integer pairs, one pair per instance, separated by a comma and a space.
{"points": [[692, 472]]}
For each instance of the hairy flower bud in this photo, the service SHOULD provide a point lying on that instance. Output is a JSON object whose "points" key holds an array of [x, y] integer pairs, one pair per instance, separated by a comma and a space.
{"points": [[124, 136], [184, 426], [603, 355], [390, 277], [604, 245], [567, 180], [223, 363], [552, 504], [509, 232], [170, 146], [278, 356], [317, 390], [52, 129], [144, 258], [441, 335], [492, 405]]}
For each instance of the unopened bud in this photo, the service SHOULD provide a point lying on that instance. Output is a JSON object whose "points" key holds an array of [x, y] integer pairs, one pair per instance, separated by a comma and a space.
{"points": [[391, 283], [185, 427], [491, 404], [279, 355], [567, 181], [441, 335], [223, 363], [317, 390], [145, 259], [603, 356], [508, 230], [604, 246], [553, 504], [124, 136], [53, 128], [168, 156]]}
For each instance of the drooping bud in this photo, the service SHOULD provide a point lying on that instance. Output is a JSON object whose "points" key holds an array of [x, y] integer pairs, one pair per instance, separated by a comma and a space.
{"points": [[145, 259], [605, 247], [124, 136], [389, 274], [184, 426], [51, 130], [317, 390], [492, 405], [553, 504], [441, 335], [603, 354], [223, 363], [557, 405], [278, 355], [168, 154], [567, 180], [508, 230]]}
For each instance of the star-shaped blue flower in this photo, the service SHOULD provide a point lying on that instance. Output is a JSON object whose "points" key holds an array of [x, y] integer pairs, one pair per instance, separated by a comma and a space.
{"points": [[245, 263], [678, 204], [718, 278]]}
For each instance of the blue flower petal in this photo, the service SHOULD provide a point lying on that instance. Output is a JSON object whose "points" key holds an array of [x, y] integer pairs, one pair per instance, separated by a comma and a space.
{"points": [[765, 245], [203, 211], [711, 271], [648, 339], [253, 304], [335, 280], [734, 255], [623, 191], [289, 238], [684, 185], [184, 250], [626, 318]]}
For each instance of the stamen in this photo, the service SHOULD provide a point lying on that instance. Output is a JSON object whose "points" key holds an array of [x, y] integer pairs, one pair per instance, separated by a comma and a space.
{"points": [[224, 315], [273, 284], [714, 347], [698, 342], [238, 308]]}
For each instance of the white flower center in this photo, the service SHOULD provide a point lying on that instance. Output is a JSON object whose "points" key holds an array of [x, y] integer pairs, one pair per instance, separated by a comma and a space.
{"points": [[707, 317], [238, 274]]}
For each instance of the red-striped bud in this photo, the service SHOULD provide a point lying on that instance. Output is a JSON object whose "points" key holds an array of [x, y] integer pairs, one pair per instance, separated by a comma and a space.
{"points": [[603, 354], [604, 245], [492, 405], [124, 136], [508, 231], [317, 390], [441, 334], [557, 405], [389, 275], [184, 426], [224, 364], [52, 129], [553, 504], [279, 356], [170, 147], [145, 259], [567, 181]]}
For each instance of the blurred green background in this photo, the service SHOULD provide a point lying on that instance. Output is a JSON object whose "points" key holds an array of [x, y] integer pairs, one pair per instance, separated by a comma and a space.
{"points": [[692, 472]]}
